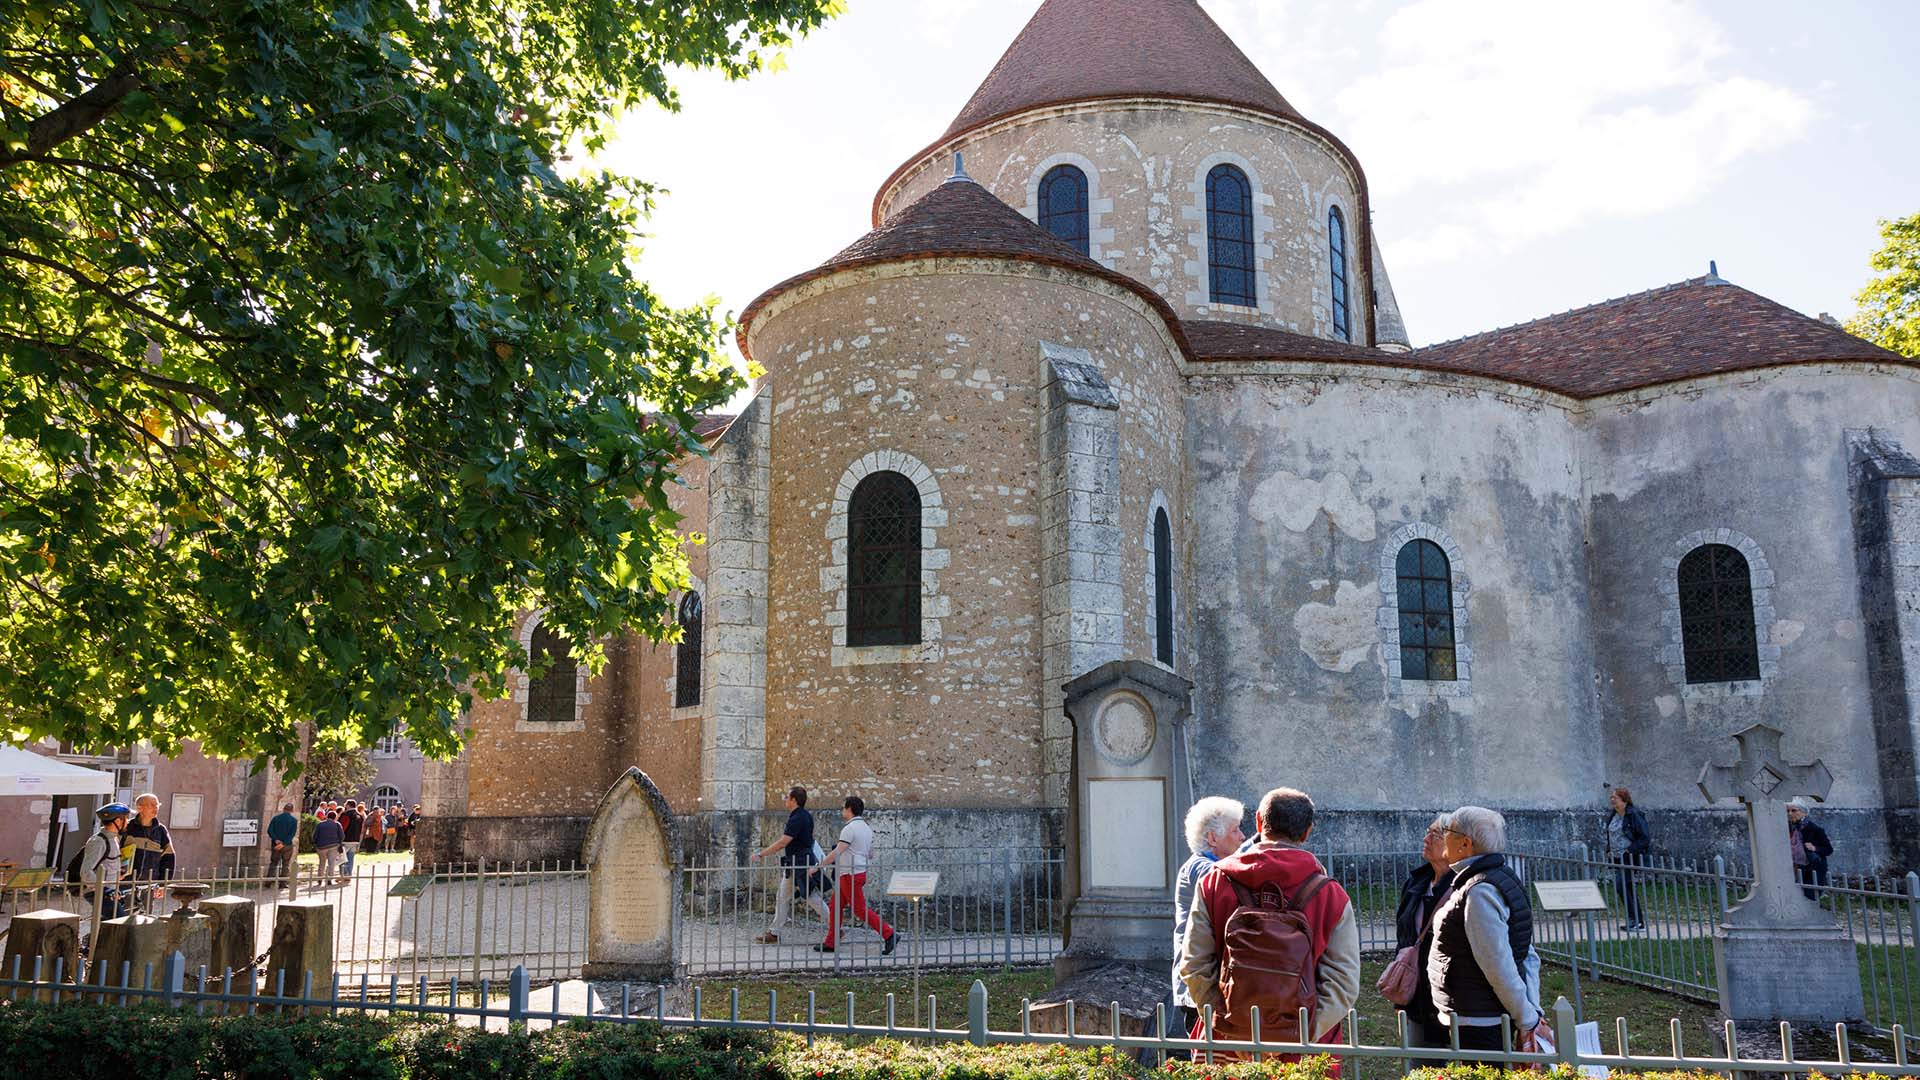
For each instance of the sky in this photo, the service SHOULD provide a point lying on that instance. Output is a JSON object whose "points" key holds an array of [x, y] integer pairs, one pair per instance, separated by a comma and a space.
{"points": [[1524, 158]]}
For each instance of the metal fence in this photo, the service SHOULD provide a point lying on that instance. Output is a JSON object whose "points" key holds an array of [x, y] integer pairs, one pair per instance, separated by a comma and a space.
{"points": [[518, 1007], [990, 909]]}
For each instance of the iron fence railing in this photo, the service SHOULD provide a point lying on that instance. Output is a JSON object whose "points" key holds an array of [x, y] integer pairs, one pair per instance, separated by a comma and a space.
{"points": [[516, 1007]]}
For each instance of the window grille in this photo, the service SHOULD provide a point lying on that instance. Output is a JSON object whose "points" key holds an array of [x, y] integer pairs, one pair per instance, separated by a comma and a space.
{"points": [[883, 561], [1063, 205], [1230, 237], [386, 796], [686, 658], [1162, 588], [1717, 632], [1337, 258], [551, 696], [1426, 612]]}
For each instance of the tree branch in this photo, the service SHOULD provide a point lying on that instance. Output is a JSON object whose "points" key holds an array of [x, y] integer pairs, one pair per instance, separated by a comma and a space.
{"points": [[77, 115]]}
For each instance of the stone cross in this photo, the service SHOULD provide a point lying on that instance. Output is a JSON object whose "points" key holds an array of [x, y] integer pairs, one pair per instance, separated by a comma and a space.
{"points": [[1765, 783]]}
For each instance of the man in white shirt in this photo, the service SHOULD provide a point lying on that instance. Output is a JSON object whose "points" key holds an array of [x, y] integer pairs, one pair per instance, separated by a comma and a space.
{"points": [[853, 851]]}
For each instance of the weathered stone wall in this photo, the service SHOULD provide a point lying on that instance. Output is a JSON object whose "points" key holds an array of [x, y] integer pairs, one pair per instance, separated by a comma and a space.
{"points": [[1305, 487], [934, 370], [1146, 164], [1760, 461]]}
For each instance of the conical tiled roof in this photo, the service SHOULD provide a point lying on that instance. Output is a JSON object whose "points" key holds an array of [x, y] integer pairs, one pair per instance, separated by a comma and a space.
{"points": [[1079, 50], [959, 219]]}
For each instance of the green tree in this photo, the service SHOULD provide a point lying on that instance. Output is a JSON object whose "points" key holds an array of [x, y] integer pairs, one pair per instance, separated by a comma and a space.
{"points": [[333, 773], [1889, 313], [314, 366]]}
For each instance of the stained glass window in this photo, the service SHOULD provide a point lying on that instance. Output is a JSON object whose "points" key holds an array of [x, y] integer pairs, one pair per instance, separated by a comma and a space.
{"points": [[1063, 205], [1716, 616], [550, 696], [1337, 255], [1162, 588], [1426, 612], [883, 561], [686, 657], [1230, 237]]}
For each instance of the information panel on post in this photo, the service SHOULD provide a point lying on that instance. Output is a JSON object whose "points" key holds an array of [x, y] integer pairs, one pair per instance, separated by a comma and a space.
{"points": [[913, 884], [240, 832], [1570, 896]]}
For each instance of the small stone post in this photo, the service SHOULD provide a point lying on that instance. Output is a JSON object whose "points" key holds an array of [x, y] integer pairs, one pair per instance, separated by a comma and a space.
{"points": [[231, 934], [126, 948], [48, 937], [301, 956]]}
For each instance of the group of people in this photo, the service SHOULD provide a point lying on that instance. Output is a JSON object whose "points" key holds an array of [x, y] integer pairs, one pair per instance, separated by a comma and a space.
{"points": [[344, 830], [801, 866], [123, 863], [1258, 923], [1629, 844]]}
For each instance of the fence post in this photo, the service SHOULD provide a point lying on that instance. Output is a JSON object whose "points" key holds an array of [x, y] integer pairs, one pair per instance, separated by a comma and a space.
{"points": [[479, 917], [1006, 958], [1913, 904], [519, 988], [977, 1014], [1566, 1033], [173, 977], [1720, 883]]}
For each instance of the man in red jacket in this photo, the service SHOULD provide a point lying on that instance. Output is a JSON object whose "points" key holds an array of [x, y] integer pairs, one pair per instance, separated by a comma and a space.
{"points": [[1284, 821]]}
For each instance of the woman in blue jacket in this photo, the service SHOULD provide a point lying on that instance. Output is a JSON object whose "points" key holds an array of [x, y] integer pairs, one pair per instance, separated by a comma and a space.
{"points": [[1628, 844]]}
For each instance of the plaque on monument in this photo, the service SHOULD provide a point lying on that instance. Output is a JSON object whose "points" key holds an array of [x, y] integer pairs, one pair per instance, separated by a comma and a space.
{"points": [[633, 883]]}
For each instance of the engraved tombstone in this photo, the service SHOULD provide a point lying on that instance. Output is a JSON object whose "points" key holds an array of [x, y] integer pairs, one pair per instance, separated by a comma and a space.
{"points": [[633, 884]]}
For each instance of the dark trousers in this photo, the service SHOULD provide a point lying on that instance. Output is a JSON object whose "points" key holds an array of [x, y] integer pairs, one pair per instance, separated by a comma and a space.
{"points": [[1483, 1038], [1189, 1019], [1431, 1033], [1813, 873], [1629, 899]]}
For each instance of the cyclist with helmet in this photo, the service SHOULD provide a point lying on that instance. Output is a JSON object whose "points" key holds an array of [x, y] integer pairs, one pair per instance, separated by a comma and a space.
{"points": [[100, 866]]}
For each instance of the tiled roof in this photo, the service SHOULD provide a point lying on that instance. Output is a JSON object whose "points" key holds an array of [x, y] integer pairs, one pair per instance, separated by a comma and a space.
{"points": [[1236, 341], [711, 424], [1702, 326], [958, 219], [1078, 50]]}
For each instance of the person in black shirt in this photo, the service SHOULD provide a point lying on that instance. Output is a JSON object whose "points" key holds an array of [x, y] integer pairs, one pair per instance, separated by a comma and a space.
{"points": [[1421, 894], [796, 858], [152, 846], [351, 822]]}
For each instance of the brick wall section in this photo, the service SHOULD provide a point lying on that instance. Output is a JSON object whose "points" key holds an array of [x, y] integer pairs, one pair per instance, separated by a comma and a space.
{"points": [[662, 740]]}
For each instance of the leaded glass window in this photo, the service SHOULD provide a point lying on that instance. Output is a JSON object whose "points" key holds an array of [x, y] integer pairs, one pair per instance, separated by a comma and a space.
{"points": [[551, 695], [1426, 612], [1162, 588], [1337, 256], [1063, 205], [686, 657], [1230, 237], [1716, 616], [883, 561]]}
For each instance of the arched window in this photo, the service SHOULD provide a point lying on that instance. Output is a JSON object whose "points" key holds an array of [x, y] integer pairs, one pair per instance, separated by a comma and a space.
{"points": [[1063, 205], [1337, 258], [386, 796], [1716, 616], [686, 656], [1426, 612], [1162, 588], [883, 561], [1230, 237], [551, 696]]}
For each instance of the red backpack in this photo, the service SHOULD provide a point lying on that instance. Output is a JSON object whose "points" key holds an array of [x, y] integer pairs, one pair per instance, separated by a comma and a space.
{"points": [[1268, 961]]}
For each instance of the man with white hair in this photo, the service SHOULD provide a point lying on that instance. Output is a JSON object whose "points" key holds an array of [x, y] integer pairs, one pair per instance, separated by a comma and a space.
{"points": [[1213, 833], [1483, 967]]}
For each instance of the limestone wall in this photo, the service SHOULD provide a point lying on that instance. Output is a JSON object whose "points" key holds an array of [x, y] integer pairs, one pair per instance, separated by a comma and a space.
{"points": [[933, 369], [1146, 164]]}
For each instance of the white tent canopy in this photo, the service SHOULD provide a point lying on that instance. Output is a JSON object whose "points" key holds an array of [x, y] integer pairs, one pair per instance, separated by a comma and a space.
{"points": [[23, 772]]}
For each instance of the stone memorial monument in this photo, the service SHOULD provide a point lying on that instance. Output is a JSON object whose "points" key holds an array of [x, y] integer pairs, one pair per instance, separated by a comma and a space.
{"points": [[231, 934], [300, 957], [128, 951], [48, 938], [1129, 790], [1778, 955], [633, 884]]}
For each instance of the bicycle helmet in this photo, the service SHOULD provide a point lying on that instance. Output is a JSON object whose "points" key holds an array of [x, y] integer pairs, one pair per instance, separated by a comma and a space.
{"points": [[113, 810]]}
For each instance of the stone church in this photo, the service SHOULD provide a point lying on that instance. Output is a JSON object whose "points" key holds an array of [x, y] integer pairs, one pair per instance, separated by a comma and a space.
{"points": [[1119, 374]]}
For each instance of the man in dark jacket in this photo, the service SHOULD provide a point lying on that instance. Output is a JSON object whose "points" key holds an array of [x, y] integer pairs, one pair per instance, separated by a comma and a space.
{"points": [[1811, 848], [1628, 845]]}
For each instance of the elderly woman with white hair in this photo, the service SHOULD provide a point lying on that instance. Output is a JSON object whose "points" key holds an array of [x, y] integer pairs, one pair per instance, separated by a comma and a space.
{"points": [[1483, 968], [1213, 833]]}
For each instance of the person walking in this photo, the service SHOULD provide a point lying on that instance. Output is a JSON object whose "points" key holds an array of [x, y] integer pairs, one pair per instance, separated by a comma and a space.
{"points": [[375, 834], [797, 859], [283, 831], [401, 828], [328, 837], [1628, 845], [1811, 848], [1483, 968], [1213, 833], [352, 825], [854, 851], [152, 848], [1269, 928], [1420, 895], [100, 866]]}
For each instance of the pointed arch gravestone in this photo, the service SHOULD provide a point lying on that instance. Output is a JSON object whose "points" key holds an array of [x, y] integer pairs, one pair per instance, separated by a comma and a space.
{"points": [[633, 884]]}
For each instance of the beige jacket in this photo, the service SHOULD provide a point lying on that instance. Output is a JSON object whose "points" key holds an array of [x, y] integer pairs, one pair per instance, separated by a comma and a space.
{"points": [[1336, 979]]}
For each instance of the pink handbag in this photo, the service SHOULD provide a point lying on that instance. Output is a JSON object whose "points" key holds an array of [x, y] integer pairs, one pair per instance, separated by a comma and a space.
{"points": [[1402, 977]]}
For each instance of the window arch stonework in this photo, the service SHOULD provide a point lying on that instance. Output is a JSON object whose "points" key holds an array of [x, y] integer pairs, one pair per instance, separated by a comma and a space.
{"points": [[1099, 235], [1673, 648], [1398, 684], [933, 559], [523, 688], [1195, 215]]}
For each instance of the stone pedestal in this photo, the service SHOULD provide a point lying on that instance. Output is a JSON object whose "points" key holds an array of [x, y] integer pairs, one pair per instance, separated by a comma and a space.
{"points": [[1127, 717], [48, 937], [1094, 992], [1799, 973], [301, 955], [231, 934], [126, 949], [633, 884], [191, 935]]}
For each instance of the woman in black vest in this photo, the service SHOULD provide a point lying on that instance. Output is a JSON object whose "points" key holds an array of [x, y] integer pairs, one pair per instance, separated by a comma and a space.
{"points": [[1418, 898], [1484, 970]]}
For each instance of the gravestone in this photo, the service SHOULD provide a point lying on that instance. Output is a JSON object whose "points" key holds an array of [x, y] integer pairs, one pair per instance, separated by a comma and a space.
{"points": [[300, 957], [633, 884], [1127, 796], [1777, 954], [48, 937]]}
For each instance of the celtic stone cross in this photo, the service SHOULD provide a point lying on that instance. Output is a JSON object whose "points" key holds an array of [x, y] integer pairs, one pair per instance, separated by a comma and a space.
{"points": [[1765, 783]]}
